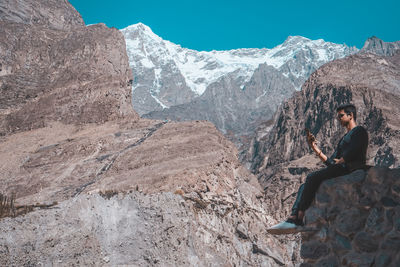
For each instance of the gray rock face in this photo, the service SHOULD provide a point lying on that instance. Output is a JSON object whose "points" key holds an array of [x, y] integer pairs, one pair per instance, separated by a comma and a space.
{"points": [[231, 107], [162, 229], [233, 89], [357, 227], [377, 46]]}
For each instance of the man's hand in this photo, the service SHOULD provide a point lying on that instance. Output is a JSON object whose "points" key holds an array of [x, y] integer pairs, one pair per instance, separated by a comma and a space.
{"points": [[312, 142], [339, 161], [314, 146]]}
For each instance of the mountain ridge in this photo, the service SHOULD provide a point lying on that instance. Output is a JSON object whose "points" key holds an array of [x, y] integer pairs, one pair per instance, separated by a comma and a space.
{"points": [[380, 47], [275, 57], [165, 75]]}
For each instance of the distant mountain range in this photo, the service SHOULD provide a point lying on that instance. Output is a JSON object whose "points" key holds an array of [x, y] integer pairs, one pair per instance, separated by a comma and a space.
{"points": [[234, 89]]}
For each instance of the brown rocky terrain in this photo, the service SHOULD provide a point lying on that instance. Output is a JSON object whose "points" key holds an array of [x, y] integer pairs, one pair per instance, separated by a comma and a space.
{"points": [[101, 186], [172, 193], [61, 161]]}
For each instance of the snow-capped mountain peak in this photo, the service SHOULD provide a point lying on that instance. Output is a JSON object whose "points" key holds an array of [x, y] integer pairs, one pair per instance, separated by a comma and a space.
{"points": [[142, 30], [295, 39], [199, 68], [160, 66]]}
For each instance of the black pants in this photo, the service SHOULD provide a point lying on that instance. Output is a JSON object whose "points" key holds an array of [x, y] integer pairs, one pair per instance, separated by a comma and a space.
{"points": [[307, 191]]}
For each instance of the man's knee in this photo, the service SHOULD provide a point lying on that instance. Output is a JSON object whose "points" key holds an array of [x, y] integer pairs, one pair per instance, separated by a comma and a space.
{"points": [[311, 177], [314, 178]]}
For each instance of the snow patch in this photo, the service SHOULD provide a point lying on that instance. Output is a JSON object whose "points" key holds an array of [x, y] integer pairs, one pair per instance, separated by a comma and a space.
{"points": [[159, 102], [322, 54], [383, 61], [147, 63]]}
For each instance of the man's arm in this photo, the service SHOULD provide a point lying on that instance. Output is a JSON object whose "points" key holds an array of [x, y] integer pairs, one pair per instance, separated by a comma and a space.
{"points": [[318, 151], [313, 144], [339, 161]]}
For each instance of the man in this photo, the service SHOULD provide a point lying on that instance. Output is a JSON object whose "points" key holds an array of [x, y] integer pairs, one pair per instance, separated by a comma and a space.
{"points": [[350, 155]]}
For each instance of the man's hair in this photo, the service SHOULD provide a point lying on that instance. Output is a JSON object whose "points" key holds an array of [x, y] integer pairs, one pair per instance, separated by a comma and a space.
{"points": [[348, 109]]}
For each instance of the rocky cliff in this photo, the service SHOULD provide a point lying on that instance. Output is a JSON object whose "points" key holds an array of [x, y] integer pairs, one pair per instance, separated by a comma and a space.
{"points": [[147, 192], [95, 185], [50, 71], [355, 221], [54, 14]]}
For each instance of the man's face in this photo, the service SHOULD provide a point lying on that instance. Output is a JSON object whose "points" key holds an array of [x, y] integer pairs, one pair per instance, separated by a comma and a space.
{"points": [[343, 118]]}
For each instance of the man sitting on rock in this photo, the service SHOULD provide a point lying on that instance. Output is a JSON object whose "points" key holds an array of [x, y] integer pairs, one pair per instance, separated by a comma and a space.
{"points": [[350, 155]]}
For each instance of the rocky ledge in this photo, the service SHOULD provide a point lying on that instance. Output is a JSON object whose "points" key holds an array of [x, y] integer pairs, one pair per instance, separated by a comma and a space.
{"points": [[358, 221]]}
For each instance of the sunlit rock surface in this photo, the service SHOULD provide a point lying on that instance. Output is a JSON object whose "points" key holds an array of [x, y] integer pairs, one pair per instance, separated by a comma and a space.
{"points": [[96, 185]]}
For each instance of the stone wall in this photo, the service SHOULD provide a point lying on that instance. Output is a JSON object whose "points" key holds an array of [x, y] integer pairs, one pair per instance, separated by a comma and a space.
{"points": [[355, 221]]}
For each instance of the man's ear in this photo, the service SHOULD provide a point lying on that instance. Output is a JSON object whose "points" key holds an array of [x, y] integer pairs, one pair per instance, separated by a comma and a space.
{"points": [[351, 115]]}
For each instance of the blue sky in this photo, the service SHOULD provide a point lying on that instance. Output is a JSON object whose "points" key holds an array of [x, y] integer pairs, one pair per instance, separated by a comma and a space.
{"points": [[221, 25]]}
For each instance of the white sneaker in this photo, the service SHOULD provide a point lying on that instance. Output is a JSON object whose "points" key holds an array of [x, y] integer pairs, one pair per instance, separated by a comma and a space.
{"points": [[284, 228]]}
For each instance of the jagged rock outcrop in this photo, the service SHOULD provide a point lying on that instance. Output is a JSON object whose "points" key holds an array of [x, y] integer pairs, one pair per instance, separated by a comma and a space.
{"points": [[281, 158], [74, 74], [55, 14], [355, 221], [379, 47]]}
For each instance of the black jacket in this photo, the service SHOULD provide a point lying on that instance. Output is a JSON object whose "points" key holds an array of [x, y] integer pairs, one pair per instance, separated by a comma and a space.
{"points": [[353, 148]]}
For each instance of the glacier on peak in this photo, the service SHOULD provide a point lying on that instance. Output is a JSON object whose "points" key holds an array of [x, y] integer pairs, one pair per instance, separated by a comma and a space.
{"points": [[194, 65]]}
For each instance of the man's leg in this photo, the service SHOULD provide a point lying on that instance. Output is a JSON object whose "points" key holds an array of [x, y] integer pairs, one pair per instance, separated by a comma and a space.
{"points": [[295, 208], [307, 191], [313, 181], [304, 198]]}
